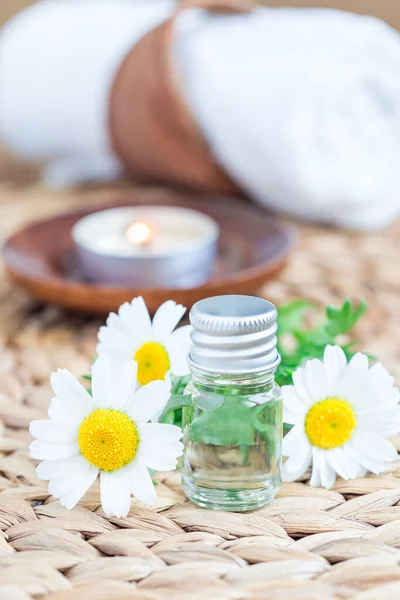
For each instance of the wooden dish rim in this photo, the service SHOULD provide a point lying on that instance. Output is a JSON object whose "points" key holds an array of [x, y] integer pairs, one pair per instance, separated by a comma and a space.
{"points": [[56, 284]]}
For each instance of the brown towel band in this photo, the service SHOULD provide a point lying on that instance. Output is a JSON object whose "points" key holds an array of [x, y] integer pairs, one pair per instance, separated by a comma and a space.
{"points": [[153, 131], [220, 6]]}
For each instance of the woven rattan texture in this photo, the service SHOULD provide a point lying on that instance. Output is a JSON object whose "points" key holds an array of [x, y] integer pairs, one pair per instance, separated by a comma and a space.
{"points": [[308, 544]]}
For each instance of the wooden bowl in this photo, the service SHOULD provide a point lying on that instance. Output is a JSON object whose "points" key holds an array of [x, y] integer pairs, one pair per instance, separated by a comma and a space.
{"points": [[253, 248]]}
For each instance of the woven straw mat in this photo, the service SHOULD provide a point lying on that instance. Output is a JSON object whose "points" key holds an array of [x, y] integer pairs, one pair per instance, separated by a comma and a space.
{"points": [[307, 544]]}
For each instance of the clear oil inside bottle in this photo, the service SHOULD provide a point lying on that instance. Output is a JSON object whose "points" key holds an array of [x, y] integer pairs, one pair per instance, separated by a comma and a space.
{"points": [[232, 436]]}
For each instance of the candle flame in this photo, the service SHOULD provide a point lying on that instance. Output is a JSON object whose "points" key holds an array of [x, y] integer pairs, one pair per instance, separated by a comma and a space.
{"points": [[139, 234]]}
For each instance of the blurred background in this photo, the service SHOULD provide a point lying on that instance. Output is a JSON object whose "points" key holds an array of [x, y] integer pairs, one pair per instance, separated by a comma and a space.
{"points": [[16, 172], [12, 170], [385, 9]]}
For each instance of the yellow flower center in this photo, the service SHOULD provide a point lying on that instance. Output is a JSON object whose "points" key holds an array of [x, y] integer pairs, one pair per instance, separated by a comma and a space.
{"points": [[330, 423], [108, 439], [153, 362]]}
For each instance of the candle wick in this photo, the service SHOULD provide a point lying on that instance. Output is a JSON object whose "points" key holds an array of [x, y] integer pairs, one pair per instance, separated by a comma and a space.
{"points": [[139, 234]]}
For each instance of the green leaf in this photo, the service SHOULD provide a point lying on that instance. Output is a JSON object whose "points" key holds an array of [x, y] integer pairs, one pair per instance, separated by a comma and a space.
{"points": [[209, 401], [179, 384], [174, 403], [342, 320], [306, 343], [229, 425], [291, 315], [245, 454]]}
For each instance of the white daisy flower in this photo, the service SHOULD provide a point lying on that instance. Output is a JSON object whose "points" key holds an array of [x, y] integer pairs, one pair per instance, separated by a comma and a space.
{"points": [[107, 434], [341, 414], [155, 346]]}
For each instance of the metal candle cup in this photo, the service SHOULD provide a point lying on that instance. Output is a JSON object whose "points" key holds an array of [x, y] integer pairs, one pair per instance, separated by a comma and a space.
{"points": [[147, 246]]}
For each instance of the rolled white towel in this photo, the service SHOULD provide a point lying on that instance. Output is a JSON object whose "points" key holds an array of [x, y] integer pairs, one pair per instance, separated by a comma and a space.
{"points": [[301, 107], [58, 60]]}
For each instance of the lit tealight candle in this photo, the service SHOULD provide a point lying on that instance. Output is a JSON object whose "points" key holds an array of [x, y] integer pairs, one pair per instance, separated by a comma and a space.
{"points": [[139, 233], [147, 246]]}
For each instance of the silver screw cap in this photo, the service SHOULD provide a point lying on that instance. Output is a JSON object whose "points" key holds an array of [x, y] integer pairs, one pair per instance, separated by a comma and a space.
{"points": [[234, 335]]}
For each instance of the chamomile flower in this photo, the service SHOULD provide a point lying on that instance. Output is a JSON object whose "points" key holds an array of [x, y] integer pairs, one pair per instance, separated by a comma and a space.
{"points": [[106, 434], [341, 414], [157, 349]]}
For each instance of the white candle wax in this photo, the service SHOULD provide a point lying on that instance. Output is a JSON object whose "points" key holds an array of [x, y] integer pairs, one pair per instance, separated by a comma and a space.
{"points": [[158, 246]]}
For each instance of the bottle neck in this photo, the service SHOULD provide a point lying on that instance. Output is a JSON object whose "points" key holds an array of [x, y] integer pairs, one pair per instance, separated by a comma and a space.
{"points": [[213, 381]]}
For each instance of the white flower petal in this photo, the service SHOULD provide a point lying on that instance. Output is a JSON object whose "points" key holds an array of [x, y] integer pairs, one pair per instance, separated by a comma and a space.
{"points": [[301, 388], [379, 399], [289, 417], [125, 326], [157, 415], [101, 382], [135, 320], [159, 463], [148, 401], [294, 439], [126, 331], [48, 469], [293, 475], [71, 499], [353, 384], [71, 472], [142, 486], [292, 404], [65, 386], [345, 466], [379, 408], [49, 431], [178, 347], [115, 490], [359, 363], [113, 382], [166, 319], [63, 413], [361, 471], [328, 475], [52, 451], [114, 322], [160, 446], [113, 342], [160, 433], [76, 400], [299, 462], [380, 383], [335, 363], [373, 445], [367, 463], [322, 472], [391, 399], [315, 480], [315, 380], [367, 457], [383, 422]]}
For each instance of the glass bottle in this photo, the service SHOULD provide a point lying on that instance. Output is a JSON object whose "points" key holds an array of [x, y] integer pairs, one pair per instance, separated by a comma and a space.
{"points": [[233, 427]]}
